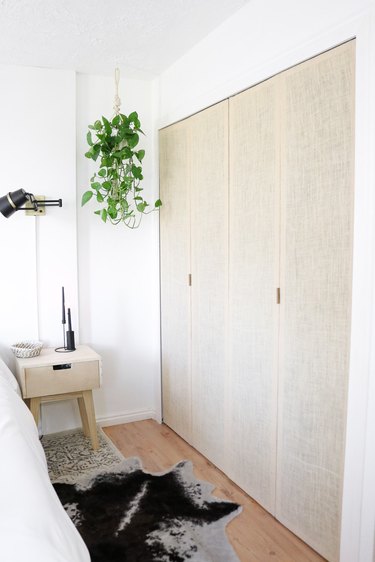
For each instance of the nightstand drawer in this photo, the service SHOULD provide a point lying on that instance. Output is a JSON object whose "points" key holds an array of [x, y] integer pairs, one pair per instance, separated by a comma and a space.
{"points": [[47, 381]]}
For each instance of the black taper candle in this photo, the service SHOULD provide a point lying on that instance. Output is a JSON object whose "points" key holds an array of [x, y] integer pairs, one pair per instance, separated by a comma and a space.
{"points": [[69, 321], [70, 345], [63, 307]]}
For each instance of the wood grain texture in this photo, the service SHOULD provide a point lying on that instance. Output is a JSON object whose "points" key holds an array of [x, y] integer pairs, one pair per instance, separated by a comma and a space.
{"points": [[81, 373], [34, 406], [48, 357], [90, 416], [40, 381], [255, 535], [83, 414]]}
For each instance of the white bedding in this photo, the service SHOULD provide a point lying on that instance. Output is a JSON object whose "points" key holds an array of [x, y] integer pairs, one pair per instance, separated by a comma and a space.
{"points": [[34, 527]]}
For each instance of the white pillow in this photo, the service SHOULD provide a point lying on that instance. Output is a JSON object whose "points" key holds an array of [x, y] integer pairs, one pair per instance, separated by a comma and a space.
{"points": [[6, 373]]}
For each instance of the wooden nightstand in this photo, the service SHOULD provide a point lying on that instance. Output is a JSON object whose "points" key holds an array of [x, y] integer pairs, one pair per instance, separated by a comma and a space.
{"points": [[56, 376]]}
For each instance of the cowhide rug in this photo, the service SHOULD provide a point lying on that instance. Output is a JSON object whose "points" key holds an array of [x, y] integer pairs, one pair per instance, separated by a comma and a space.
{"points": [[125, 514]]}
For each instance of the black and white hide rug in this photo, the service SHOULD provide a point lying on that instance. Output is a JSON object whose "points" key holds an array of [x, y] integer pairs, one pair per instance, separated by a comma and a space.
{"points": [[128, 515]]}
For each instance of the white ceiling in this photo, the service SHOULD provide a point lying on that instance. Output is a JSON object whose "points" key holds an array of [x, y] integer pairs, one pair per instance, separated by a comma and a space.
{"points": [[142, 37]]}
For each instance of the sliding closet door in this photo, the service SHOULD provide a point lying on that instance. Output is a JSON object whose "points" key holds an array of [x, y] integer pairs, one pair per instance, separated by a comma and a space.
{"points": [[175, 266], [317, 185], [209, 251], [253, 278]]}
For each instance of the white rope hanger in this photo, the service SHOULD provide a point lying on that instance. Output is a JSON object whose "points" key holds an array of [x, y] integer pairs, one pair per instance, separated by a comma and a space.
{"points": [[117, 101]]}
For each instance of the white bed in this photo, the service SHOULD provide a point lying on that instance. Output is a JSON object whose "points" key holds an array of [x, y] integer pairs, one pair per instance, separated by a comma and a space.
{"points": [[33, 524]]}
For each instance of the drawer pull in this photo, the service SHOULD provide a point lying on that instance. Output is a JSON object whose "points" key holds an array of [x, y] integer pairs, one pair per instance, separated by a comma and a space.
{"points": [[62, 366]]}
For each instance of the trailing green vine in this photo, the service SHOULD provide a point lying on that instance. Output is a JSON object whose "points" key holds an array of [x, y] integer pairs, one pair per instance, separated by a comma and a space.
{"points": [[116, 186]]}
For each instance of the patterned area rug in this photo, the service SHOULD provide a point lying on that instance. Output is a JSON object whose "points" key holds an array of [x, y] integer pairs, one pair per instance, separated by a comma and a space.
{"points": [[125, 514], [69, 455]]}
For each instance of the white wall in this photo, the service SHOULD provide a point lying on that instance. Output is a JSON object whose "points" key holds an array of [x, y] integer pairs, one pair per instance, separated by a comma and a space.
{"points": [[44, 113], [261, 39], [37, 148], [256, 42], [118, 268]]}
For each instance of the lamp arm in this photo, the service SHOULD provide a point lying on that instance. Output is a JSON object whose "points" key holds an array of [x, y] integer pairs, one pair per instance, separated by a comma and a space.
{"points": [[36, 203]]}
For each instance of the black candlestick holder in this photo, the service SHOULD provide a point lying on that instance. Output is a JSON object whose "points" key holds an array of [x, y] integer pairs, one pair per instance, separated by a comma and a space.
{"points": [[68, 335]]}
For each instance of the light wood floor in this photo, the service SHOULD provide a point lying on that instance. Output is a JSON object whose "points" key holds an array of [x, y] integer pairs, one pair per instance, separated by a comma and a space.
{"points": [[255, 535]]}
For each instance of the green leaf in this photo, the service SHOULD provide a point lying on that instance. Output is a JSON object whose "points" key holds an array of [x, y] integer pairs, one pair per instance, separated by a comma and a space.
{"points": [[141, 207], [89, 138], [140, 155], [107, 125], [127, 153], [102, 173], [116, 121], [96, 185], [126, 131], [99, 197], [107, 161], [104, 215], [133, 140], [158, 203], [97, 212], [86, 197], [97, 125], [106, 185], [112, 211], [88, 154], [137, 171], [133, 116], [95, 155]]}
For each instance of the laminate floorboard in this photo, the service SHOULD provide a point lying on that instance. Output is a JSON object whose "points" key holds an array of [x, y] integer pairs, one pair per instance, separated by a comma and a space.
{"points": [[255, 535]]}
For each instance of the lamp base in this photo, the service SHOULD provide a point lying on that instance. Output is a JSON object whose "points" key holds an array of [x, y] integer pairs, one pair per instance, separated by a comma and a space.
{"points": [[63, 350]]}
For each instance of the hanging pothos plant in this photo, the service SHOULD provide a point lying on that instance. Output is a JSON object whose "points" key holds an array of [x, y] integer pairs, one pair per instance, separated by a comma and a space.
{"points": [[116, 186]]}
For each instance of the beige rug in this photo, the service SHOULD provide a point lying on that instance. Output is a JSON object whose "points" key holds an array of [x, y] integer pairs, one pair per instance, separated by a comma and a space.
{"points": [[70, 454]]}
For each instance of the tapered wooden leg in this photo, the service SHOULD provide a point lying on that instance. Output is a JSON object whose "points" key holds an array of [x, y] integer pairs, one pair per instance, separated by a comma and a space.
{"points": [[85, 422], [35, 408], [90, 413]]}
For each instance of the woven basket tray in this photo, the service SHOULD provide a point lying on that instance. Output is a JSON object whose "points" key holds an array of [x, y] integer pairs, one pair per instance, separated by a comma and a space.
{"points": [[25, 349]]}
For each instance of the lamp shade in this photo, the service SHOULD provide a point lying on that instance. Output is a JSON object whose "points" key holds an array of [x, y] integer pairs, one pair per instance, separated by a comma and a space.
{"points": [[11, 202]]}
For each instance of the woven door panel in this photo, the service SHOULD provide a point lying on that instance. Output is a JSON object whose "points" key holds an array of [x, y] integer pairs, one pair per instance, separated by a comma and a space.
{"points": [[253, 278], [317, 186], [209, 245], [175, 266]]}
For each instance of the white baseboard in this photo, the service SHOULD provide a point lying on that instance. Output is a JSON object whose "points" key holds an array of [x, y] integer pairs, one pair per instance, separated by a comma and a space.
{"points": [[126, 417]]}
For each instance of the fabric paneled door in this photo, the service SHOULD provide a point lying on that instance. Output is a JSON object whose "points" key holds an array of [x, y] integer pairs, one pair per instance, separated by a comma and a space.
{"points": [[175, 265], [209, 251], [257, 214], [253, 278], [317, 143]]}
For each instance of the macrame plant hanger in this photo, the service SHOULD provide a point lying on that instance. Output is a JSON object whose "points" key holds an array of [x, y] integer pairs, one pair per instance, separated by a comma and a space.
{"points": [[117, 101], [116, 108], [132, 222]]}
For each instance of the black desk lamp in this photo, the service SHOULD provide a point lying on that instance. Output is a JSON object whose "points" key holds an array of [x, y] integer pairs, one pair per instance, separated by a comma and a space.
{"points": [[13, 201]]}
